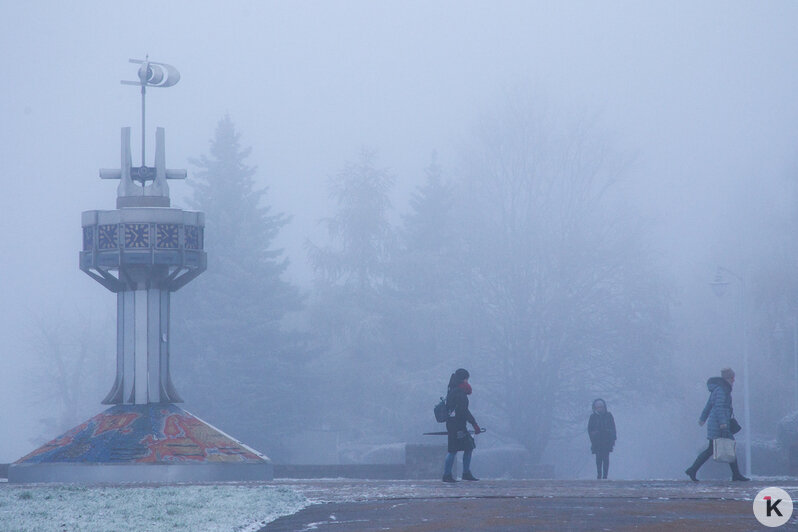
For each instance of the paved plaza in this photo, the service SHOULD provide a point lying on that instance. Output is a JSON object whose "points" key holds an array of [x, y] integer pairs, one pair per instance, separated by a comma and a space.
{"points": [[528, 505]]}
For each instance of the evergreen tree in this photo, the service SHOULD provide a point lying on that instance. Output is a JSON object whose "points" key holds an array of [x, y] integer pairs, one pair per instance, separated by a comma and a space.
{"points": [[428, 226], [348, 309], [235, 354], [421, 300], [424, 274], [360, 232]]}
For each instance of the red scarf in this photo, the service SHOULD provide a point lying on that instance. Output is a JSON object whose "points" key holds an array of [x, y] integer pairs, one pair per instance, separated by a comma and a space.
{"points": [[465, 387]]}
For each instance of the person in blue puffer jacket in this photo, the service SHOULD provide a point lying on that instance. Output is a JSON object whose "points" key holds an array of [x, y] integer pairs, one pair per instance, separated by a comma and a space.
{"points": [[717, 415]]}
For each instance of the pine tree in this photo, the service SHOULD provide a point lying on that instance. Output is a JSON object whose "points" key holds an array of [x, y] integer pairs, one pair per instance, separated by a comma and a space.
{"points": [[427, 228], [424, 271], [360, 232], [421, 301], [348, 308], [234, 352]]}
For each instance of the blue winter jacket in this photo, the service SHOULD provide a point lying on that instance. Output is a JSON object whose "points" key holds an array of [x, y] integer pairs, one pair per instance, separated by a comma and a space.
{"points": [[719, 408]]}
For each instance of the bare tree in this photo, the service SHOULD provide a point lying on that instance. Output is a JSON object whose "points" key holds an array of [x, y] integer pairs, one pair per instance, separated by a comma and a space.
{"points": [[74, 354], [566, 298]]}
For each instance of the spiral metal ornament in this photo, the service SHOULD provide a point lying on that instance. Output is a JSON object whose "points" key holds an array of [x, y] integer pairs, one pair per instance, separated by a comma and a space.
{"points": [[153, 74]]}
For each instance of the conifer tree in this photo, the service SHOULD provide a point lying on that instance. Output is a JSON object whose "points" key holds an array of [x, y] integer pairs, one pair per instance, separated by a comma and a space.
{"points": [[239, 362], [424, 271], [347, 312]]}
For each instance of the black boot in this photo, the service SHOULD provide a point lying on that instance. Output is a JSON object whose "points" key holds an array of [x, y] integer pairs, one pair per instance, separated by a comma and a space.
{"points": [[448, 478], [468, 476], [736, 475], [699, 461]]}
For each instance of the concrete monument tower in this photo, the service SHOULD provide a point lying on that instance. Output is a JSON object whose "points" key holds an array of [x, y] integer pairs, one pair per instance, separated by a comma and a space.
{"points": [[143, 251]]}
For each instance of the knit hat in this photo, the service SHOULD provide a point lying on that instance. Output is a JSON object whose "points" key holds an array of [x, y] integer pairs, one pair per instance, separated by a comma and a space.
{"points": [[457, 377]]}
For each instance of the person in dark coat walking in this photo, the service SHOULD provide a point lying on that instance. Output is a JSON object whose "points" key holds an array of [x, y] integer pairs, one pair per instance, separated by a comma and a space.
{"points": [[717, 415], [601, 429], [457, 431]]}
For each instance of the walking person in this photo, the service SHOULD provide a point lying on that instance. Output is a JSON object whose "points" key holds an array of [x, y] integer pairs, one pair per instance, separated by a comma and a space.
{"points": [[457, 431], [601, 429], [717, 415]]}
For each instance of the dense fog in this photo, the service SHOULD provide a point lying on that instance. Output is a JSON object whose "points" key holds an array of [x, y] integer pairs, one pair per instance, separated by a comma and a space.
{"points": [[545, 193]]}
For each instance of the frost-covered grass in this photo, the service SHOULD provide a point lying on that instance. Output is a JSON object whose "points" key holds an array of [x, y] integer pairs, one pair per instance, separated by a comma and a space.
{"points": [[152, 508]]}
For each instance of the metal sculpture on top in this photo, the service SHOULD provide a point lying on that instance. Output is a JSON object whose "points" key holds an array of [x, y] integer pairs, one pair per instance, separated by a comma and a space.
{"points": [[156, 194], [151, 74]]}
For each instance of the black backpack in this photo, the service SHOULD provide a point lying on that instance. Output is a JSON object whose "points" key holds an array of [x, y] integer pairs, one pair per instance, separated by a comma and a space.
{"points": [[441, 411]]}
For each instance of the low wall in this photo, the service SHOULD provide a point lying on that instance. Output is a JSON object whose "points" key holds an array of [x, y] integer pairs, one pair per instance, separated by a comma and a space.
{"points": [[364, 471], [94, 473], [424, 462]]}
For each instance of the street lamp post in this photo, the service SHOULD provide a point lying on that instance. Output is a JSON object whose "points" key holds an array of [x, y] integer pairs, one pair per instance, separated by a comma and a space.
{"points": [[719, 285], [795, 356]]}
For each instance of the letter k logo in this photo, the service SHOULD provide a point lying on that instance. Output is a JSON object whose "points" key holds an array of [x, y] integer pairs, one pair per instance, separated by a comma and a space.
{"points": [[772, 506]]}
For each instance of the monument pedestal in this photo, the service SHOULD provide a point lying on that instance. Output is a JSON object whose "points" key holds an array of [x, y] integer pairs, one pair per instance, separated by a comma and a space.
{"points": [[142, 443]]}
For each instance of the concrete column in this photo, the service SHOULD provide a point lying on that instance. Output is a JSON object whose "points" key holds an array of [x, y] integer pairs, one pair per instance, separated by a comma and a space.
{"points": [[142, 349], [140, 333], [163, 341], [128, 345], [153, 345]]}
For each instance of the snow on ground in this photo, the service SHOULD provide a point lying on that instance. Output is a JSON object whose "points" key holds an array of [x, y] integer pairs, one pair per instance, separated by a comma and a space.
{"points": [[221, 507], [249, 506], [350, 490]]}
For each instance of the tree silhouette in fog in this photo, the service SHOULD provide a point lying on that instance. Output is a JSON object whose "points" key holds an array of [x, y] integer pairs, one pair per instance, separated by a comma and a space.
{"points": [[235, 358], [348, 306], [563, 298]]}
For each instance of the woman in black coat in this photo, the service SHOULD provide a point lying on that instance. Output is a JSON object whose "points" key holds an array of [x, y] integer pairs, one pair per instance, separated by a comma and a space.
{"points": [[601, 429], [459, 438]]}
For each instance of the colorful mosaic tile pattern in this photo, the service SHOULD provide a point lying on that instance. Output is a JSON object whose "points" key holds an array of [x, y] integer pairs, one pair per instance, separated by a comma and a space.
{"points": [[153, 433]]}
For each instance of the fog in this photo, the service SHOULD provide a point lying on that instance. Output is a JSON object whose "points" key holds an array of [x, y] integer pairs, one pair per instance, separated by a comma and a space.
{"points": [[687, 110]]}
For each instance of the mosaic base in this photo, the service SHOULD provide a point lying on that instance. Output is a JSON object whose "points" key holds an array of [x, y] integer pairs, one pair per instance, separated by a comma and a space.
{"points": [[140, 443]]}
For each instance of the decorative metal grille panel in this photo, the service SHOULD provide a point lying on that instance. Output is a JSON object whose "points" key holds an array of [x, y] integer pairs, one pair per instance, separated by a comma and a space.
{"points": [[166, 236], [193, 237], [88, 238], [137, 236], [108, 236]]}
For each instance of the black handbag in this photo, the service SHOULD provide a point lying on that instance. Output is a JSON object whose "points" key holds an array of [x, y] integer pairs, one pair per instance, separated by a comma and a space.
{"points": [[734, 426]]}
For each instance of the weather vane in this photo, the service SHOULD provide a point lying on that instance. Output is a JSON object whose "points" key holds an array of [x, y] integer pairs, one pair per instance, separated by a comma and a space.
{"points": [[151, 74]]}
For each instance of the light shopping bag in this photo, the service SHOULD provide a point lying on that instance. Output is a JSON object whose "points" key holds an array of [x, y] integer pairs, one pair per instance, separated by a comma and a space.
{"points": [[723, 450]]}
